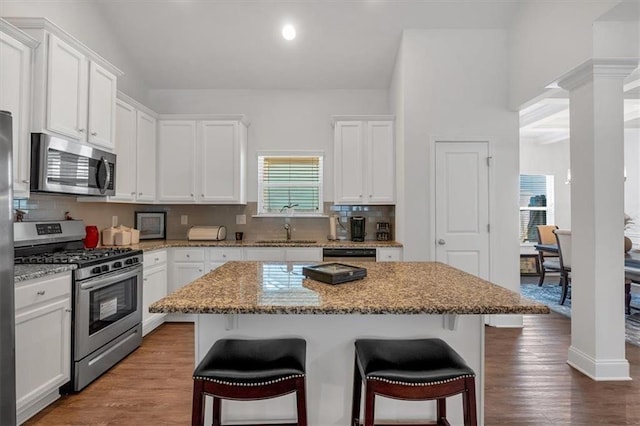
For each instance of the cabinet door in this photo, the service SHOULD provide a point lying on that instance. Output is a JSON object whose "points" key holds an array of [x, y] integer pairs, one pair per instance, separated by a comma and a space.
{"points": [[43, 351], [349, 163], [15, 96], [66, 90], [125, 149], [155, 288], [264, 253], [102, 106], [146, 157], [381, 175], [220, 162], [303, 254], [176, 154], [184, 273]]}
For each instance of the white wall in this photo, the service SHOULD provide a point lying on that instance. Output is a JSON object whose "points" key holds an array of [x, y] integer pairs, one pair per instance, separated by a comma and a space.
{"points": [[548, 39], [454, 87], [280, 119], [82, 19], [396, 103], [550, 159]]}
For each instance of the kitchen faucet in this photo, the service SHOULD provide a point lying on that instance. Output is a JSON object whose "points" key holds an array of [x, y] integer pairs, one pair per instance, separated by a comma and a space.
{"points": [[288, 206], [287, 228]]}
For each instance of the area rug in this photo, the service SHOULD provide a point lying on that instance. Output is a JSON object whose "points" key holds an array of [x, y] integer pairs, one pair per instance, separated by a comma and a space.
{"points": [[549, 294]]}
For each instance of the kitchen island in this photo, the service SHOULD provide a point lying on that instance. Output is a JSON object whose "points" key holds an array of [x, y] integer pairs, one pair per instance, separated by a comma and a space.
{"points": [[395, 300]]}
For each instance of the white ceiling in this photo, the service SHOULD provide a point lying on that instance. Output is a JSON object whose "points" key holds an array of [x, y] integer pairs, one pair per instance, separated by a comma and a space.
{"points": [[236, 44]]}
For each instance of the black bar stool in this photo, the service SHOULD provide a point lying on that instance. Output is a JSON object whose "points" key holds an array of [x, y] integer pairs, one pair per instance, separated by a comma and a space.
{"points": [[248, 370], [422, 369]]}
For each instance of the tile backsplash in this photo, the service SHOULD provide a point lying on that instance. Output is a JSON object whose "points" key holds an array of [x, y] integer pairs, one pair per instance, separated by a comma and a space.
{"points": [[54, 207]]}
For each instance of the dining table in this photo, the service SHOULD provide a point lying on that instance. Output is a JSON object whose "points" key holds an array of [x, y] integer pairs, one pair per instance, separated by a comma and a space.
{"points": [[631, 270]]}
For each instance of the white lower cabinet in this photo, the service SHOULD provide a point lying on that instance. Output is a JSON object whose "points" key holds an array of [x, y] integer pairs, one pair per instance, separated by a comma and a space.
{"points": [[187, 266], [273, 254], [154, 288], [218, 256], [389, 254], [303, 254], [43, 341]]}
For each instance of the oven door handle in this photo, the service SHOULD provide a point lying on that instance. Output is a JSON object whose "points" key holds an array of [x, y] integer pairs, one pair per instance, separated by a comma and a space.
{"points": [[107, 280]]}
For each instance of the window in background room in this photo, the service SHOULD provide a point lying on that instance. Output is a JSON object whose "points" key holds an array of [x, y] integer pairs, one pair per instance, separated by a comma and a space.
{"points": [[536, 205], [290, 183]]}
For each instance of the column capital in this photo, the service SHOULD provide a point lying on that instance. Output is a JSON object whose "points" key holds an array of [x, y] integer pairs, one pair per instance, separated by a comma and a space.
{"points": [[597, 67]]}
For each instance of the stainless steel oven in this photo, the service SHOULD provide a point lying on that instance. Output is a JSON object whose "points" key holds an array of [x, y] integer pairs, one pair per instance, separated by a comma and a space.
{"points": [[62, 166], [107, 325]]}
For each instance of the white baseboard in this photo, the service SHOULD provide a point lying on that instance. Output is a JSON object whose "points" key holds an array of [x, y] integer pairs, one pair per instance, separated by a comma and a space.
{"points": [[152, 323], [25, 413], [504, 321], [599, 370]]}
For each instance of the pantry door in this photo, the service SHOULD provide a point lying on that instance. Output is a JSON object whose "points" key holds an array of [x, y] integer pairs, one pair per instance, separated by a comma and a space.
{"points": [[462, 206]]}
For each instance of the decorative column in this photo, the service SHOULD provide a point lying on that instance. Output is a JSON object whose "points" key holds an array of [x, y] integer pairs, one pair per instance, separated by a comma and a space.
{"points": [[597, 217]]}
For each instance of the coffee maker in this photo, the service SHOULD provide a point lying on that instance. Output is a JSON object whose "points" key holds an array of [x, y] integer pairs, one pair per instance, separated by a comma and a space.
{"points": [[357, 228]]}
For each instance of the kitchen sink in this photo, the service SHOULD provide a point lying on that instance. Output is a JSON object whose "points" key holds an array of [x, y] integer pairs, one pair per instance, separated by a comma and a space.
{"points": [[285, 241]]}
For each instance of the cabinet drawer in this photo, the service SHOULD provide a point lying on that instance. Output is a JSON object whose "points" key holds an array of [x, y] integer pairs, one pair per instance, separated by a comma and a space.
{"points": [[389, 255], [224, 254], [303, 254], [42, 290], [155, 257], [188, 255]]}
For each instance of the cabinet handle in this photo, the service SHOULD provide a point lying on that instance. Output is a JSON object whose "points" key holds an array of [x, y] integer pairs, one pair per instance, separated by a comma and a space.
{"points": [[139, 193], [67, 310], [191, 195], [81, 130], [156, 259], [199, 270], [370, 195], [26, 181], [224, 255], [202, 195], [94, 133], [41, 292], [188, 255], [133, 193], [144, 279], [360, 195]]}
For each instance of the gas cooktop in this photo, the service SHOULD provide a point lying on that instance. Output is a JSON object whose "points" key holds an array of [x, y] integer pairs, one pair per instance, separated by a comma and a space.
{"points": [[80, 257]]}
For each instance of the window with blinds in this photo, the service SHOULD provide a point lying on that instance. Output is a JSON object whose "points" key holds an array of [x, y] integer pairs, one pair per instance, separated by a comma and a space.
{"points": [[289, 183], [536, 205]]}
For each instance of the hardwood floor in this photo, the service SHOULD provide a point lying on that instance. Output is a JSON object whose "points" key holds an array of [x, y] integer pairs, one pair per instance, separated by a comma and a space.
{"points": [[152, 386], [528, 383]]}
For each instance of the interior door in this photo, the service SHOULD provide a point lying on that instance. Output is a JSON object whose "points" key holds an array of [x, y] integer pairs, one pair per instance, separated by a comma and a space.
{"points": [[462, 206]]}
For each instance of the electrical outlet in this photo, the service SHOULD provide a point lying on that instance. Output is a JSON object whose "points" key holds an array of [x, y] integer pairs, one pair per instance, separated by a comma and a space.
{"points": [[241, 219], [184, 219], [114, 220]]}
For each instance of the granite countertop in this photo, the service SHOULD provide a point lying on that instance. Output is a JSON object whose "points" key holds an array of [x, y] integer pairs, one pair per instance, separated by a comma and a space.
{"points": [[30, 272], [161, 244], [389, 288]]}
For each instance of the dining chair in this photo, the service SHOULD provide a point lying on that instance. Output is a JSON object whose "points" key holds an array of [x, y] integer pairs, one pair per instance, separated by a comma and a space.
{"points": [[548, 261], [563, 239]]}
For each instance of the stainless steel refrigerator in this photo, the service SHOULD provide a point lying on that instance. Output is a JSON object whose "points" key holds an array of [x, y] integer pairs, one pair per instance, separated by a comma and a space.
{"points": [[7, 314]]}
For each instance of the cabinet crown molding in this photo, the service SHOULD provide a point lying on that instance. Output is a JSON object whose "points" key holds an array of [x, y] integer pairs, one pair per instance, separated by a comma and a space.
{"points": [[231, 117], [39, 23], [18, 34], [383, 117], [137, 105]]}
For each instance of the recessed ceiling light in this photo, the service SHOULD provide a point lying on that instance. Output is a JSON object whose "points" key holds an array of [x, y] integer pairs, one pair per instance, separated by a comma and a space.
{"points": [[289, 32]]}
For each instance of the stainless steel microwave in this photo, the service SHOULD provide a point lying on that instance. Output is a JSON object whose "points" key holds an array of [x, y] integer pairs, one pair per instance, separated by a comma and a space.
{"points": [[62, 166]]}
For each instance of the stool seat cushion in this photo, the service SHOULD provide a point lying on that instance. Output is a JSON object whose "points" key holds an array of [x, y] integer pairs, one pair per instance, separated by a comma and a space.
{"points": [[253, 362], [411, 361]]}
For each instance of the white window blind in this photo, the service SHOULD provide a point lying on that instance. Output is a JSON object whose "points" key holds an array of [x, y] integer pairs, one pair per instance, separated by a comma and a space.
{"points": [[290, 181], [536, 205]]}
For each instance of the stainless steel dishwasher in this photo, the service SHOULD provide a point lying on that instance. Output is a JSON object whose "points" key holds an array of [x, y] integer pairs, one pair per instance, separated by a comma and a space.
{"points": [[348, 255]]}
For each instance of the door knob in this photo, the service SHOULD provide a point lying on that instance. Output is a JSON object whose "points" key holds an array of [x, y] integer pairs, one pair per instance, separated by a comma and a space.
{"points": [[441, 242]]}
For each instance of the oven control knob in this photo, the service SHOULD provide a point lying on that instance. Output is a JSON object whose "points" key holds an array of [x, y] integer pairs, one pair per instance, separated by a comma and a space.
{"points": [[96, 270], [105, 268], [128, 261], [117, 264]]}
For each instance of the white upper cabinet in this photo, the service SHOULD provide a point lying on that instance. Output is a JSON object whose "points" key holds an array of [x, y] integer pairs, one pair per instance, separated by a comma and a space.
{"points": [[74, 87], [125, 149], [15, 97], [222, 162], [146, 157], [364, 162], [102, 106], [176, 161], [202, 161]]}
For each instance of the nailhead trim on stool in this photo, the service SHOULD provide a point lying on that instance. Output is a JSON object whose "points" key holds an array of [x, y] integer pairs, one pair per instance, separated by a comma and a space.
{"points": [[413, 370], [246, 370]]}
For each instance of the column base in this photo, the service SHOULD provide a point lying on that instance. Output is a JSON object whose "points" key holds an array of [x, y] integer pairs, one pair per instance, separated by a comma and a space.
{"points": [[599, 370]]}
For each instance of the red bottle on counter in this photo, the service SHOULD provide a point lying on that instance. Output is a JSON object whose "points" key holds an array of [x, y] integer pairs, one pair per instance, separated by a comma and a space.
{"points": [[92, 237]]}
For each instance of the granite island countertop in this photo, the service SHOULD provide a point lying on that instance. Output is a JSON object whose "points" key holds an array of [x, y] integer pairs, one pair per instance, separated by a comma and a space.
{"points": [[150, 245], [33, 271], [389, 288]]}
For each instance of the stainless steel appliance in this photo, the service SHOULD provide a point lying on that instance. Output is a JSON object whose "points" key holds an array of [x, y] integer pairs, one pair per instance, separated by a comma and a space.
{"points": [[357, 228], [107, 294], [7, 309], [62, 166], [346, 255]]}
